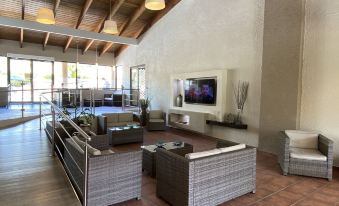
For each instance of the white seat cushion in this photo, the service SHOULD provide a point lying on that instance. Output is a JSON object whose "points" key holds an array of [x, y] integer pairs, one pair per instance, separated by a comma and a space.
{"points": [[303, 139], [307, 154], [156, 120], [232, 148], [202, 154]]}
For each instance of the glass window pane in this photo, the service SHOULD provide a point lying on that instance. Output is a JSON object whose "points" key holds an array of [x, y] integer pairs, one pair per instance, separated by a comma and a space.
{"points": [[42, 79], [105, 77], [87, 76], [119, 70], [71, 75], [3, 72], [20, 71]]}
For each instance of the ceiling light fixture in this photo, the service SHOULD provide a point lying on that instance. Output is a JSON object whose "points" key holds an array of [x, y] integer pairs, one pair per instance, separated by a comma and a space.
{"points": [[45, 15], [110, 26], [155, 4]]}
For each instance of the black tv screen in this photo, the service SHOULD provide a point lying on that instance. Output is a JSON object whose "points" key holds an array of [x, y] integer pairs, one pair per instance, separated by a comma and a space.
{"points": [[201, 91]]}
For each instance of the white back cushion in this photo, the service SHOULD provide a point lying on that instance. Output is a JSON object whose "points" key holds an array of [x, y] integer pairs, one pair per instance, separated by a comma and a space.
{"points": [[303, 139], [202, 154], [90, 149], [232, 148]]}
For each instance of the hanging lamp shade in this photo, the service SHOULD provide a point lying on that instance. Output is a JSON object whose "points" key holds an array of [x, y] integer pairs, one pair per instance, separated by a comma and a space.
{"points": [[155, 4], [45, 16], [110, 27]]}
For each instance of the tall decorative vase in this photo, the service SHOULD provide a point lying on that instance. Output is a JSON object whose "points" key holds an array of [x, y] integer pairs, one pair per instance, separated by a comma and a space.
{"points": [[238, 119], [143, 116], [179, 100]]}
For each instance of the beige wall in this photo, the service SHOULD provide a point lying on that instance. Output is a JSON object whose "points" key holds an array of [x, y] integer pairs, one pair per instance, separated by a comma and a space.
{"points": [[200, 35], [7, 46], [280, 73], [320, 76]]}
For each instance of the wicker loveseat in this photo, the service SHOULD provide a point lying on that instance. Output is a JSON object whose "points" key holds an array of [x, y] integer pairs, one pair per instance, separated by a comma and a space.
{"points": [[107, 120], [305, 153], [112, 177], [209, 180]]}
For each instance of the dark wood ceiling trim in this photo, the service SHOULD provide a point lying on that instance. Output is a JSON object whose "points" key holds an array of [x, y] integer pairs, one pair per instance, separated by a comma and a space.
{"points": [[55, 8], [138, 12], [117, 4], [23, 3], [81, 17]]}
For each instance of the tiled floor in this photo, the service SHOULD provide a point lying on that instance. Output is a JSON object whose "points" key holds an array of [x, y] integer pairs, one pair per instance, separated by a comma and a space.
{"points": [[28, 176], [273, 189]]}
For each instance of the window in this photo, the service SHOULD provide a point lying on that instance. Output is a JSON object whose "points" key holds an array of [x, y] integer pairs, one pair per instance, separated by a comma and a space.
{"points": [[42, 79], [59, 74], [119, 73], [71, 75], [87, 76], [105, 77], [21, 74], [3, 72]]}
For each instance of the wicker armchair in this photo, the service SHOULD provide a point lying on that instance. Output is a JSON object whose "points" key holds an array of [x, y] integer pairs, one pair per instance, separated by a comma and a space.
{"points": [[112, 177], [156, 120], [316, 162], [209, 180]]}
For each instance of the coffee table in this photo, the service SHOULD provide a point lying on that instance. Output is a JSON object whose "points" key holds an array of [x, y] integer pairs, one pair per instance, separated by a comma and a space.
{"points": [[149, 152], [125, 134]]}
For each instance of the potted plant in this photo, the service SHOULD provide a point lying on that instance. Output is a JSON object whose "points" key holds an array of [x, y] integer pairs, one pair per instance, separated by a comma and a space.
{"points": [[144, 104], [85, 120]]}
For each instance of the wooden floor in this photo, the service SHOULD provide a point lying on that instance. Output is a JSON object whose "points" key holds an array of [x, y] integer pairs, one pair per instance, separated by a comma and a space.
{"points": [[28, 176]]}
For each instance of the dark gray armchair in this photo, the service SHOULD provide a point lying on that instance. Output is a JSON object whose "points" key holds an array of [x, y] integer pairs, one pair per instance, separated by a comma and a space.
{"points": [[304, 153], [156, 120]]}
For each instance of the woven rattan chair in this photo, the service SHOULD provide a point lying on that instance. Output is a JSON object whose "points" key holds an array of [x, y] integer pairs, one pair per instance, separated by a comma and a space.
{"points": [[209, 180], [299, 159], [156, 120]]}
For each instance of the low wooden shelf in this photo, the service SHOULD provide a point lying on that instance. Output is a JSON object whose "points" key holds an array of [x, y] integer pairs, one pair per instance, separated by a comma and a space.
{"points": [[226, 124]]}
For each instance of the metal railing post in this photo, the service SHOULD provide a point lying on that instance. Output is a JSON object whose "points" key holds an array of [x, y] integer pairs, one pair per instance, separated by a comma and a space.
{"points": [[122, 98], [53, 133], [22, 99], [85, 173], [40, 114]]}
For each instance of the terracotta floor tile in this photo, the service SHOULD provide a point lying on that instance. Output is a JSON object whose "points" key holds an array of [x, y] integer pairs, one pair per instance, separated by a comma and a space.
{"points": [[273, 189]]}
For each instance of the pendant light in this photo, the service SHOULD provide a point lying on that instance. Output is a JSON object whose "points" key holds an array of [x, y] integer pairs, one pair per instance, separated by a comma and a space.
{"points": [[45, 15], [110, 26], [155, 4]]}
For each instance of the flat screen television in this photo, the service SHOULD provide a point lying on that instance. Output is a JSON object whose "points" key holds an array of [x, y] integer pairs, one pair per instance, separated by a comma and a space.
{"points": [[201, 91]]}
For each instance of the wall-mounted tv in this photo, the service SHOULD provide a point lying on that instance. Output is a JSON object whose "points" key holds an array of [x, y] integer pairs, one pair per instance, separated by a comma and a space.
{"points": [[201, 91]]}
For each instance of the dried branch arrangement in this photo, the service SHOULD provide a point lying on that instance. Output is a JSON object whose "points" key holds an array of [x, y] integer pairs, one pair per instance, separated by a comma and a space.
{"points": [[240, 94]]}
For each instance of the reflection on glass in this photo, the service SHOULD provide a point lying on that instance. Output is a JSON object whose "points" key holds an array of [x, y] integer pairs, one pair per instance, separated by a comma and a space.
{"points": [[105, 77]]}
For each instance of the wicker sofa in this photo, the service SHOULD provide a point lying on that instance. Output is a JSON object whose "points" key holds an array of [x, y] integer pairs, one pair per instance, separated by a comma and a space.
{"points": [[209, 180], [309, 158], [107, 120], [156, 120], [112, 177]]}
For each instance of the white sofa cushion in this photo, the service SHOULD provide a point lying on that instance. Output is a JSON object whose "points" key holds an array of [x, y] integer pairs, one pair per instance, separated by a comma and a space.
{"points": [[196, 155], [156, 120], [307, 154], [303, 139], [155, 114], [232, 148], [111, 117], [125, 117], [91, 150]]}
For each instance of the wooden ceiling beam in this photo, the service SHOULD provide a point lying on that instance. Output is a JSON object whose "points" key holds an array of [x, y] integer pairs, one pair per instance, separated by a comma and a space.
{"points": [[81, 17], [55, 8], [117, 4], [23, 3], [138, 12]]}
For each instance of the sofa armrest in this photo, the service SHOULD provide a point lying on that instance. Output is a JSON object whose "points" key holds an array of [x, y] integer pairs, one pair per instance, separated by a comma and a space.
{"points": [[172, 175], [100, 142], [284, 151], [325, 146], [102, 124]]}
